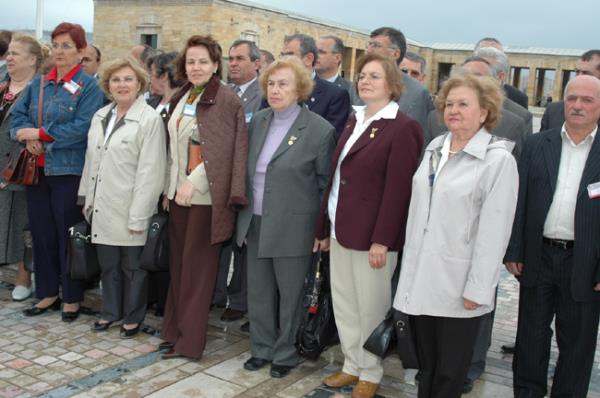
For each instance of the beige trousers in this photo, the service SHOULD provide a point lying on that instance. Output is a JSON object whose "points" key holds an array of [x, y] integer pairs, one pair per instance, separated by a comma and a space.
{"points": [[361, 298]]}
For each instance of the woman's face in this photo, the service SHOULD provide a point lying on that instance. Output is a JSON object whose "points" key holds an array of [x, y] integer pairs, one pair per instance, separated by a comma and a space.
{"points": [[281, 89], [19, 59], [65, 53], [199, 68], [124, 86], [372, 83], [462, 112]]}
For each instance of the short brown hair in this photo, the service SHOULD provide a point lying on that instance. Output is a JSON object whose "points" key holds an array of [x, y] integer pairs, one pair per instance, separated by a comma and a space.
{"points": [[488, 92], [107, 69], [393, 78], [214, 52], [304, 83]]}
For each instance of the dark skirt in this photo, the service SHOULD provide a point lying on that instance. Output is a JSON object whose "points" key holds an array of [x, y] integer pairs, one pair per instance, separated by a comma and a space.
{"points": [[13, 220]]}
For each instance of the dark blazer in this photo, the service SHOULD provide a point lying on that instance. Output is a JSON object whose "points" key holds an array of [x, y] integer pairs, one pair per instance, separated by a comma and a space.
{"points": [[538, 172], [516, 95], [523, 113], [554, 116], [375, 184], [342, 83], [251, 99], [295, 180]]}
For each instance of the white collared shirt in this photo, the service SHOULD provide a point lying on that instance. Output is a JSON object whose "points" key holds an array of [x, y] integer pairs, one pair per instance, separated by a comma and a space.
{"points": [[244, 86], [387, 112], [560, 221], [333, 78]]}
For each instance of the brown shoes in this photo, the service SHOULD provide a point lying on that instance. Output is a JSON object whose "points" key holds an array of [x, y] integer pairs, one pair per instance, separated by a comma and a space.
{"points": [[340, 379], [230, 315], [364, 389]]}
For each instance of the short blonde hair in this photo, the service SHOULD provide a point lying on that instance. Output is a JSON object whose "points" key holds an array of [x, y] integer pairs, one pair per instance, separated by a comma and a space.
{"points": [[488, 92], [393, 77], [111, 67], [304, 82]]}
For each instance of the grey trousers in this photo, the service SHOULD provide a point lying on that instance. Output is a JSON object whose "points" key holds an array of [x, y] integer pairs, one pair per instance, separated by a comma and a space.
{"points": [[237, 290], [124, 284], [265, 277]]}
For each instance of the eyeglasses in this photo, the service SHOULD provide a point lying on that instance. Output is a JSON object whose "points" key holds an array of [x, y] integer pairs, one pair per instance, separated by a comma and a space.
{"points": [[376, 45], [64, 46], [126, 80], [412, 73]]}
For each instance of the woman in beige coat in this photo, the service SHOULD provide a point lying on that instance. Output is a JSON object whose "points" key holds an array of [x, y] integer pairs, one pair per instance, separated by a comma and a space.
{"points": [[122, 180]]}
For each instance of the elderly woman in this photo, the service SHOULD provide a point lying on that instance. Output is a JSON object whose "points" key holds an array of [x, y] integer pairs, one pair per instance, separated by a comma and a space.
{"points": [[70, 99], [122, 180], [452, 259], [288, 166], [23, 58], [208, 146], [364, 212]]}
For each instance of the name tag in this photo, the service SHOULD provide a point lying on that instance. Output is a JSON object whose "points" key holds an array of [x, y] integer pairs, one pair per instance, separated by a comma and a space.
{"points": [[189, 110], [71, 87], [248, 117], [594, 190]]}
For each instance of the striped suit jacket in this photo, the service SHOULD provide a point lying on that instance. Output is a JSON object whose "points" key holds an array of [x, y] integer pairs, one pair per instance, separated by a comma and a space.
{"points": [[538, 173]]}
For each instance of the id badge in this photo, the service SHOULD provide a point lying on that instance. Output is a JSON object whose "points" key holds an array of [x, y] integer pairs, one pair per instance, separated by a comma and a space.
{"points": [[189, 110], [594, 190], [71, 87]]}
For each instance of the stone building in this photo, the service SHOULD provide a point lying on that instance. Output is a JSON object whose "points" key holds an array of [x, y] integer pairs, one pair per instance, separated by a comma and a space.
{"points": [[165, 24]]}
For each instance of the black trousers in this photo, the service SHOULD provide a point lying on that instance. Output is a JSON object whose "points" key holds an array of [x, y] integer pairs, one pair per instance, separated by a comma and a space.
{"points": [[445, 348], [576, 325]]}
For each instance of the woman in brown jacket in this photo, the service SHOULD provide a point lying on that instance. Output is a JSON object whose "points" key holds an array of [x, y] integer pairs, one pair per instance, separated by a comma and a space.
{"points": [[208, 147]]}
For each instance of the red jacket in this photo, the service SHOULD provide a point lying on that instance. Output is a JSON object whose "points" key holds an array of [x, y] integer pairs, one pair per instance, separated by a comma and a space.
{"points": [[375, 184]]}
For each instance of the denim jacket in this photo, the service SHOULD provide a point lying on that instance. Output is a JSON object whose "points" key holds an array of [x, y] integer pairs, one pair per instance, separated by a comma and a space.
{"points": [[66, 117]]}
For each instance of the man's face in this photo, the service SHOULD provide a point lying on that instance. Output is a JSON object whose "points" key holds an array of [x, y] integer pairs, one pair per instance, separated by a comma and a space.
{"points": [[327, 61], [383, 45], [413, 69], [89, 61], [263, 62], [588, 67], [478, 68], [582, 103], [292, 47], [241, 68]]}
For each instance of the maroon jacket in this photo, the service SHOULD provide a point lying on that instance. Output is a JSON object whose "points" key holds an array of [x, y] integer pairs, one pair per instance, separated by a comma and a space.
{"points": [[375, 184]]}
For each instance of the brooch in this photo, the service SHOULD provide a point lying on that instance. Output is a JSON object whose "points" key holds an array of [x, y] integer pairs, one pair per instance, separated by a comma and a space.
{"points": [[292, 139], [373, 131]]}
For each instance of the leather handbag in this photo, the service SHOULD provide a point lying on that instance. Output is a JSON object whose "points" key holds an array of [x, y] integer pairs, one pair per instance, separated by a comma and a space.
{"points": [[82, 259], [155, 254], [406, 340], [382, 340]]}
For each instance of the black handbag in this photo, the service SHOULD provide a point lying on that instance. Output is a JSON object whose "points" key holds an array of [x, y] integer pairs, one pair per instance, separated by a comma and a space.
{"points": [[82, 258], [406, 341], [317, 329], [155, 254], [382, 340]]}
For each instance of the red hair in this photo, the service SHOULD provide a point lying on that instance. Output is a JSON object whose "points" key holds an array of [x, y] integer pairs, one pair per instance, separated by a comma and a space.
{"points": [[75, 31]]}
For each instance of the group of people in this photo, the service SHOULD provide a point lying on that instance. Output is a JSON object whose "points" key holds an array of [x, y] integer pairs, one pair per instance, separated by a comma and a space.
{"points": [[289, 159]]}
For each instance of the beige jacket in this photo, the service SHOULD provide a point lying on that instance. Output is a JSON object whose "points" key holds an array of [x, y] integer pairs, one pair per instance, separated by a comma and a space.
{"points": [[123, 179]]}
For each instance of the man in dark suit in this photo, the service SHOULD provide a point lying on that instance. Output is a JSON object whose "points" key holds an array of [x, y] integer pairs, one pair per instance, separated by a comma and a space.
{"points": [[554, 249], [330, 54], [90, 62], [327, 99], [588, 64], [414, 66]]}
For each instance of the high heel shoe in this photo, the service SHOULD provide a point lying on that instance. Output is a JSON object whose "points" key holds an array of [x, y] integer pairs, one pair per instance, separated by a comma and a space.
{"points": [[35, 311]]}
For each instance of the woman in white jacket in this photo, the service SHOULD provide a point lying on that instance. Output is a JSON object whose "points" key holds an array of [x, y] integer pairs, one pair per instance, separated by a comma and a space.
{"points": [[460, 217], [122, 180]]}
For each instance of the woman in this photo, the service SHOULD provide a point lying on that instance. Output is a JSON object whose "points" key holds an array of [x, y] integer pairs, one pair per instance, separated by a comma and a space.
{"points": [[288, 166], [23, 58], [122, 180], [452, 259], [364, 211], [208, 146], [70, 99]]}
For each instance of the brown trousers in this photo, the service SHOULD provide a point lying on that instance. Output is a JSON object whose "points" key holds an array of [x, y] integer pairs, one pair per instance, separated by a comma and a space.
{"points": [[193, 267]]}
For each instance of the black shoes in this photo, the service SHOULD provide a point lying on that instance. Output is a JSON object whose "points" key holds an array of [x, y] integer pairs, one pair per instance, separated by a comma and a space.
{"points": [[101, 326], [245, 327], [279, 371], [467, 387], [70, 316], [129, 333], [165, 345], [35, 311], [508, 349], [255, 363]]}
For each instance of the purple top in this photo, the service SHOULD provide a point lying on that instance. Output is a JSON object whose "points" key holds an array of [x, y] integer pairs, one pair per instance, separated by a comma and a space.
{"points": [[280, 125]]}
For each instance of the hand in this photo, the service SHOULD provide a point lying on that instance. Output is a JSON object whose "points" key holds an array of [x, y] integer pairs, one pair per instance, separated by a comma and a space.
{"points": [[165, 203], [28, 133], [470, 305], [597, 287], [34, 147], [134, 232], [377, 255], [321, 245], [514, 268], [184, 194]]}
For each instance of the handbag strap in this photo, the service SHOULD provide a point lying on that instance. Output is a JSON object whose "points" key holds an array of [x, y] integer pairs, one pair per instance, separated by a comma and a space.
{"points": [[40, 101]]}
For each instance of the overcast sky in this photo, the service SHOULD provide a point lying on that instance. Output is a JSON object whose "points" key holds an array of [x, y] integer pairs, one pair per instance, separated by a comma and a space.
{"points": [[532, 23]]}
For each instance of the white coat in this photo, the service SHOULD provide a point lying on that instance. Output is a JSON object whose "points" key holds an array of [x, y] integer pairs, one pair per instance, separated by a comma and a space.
{"points": [[123, 178], [458, 230]]}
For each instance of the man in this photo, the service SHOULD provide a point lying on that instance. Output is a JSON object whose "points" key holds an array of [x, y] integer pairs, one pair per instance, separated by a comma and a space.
{"points": [[266, 58], [244, 62], [415, 101], [330, 54], [5, 38], [414, 66], [91, 60], [327, 100], [511, 92], [554, 249], [588, 64]]}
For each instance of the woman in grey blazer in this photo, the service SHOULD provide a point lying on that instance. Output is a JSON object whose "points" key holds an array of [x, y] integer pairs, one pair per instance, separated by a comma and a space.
{"points": [[288, 165]]}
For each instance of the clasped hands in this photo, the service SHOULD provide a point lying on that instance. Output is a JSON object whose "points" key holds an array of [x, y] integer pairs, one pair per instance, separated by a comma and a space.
{"points": [[31, 137]]}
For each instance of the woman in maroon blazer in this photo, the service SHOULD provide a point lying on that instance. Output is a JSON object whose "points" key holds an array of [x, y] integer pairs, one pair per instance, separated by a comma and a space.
{"points": [[364, 212]]}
